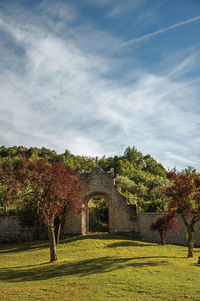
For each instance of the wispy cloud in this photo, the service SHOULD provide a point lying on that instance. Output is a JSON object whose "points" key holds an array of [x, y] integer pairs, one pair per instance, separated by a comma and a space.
{"points": [[58, 92], [185, 66], [119, 8], [146, 37], [60, 10]]}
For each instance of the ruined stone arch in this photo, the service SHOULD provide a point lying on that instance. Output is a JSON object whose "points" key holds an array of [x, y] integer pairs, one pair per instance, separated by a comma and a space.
{"points": [[90, 195], [122, 217]]}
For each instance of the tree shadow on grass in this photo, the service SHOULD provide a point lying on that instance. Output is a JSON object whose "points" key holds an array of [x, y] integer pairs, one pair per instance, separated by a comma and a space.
{"points": [[6, 248], [81, 268], [36, 245], [40, 244], [196, 250], [107, 236], [129, 244]]}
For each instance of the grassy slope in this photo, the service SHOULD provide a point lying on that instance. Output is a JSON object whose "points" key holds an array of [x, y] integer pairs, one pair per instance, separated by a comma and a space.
{"points": [[98, 268]]}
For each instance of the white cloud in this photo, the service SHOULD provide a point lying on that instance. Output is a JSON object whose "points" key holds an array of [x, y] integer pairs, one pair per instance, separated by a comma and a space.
{"points": [[115, 11], [64, 97], [119, 8], [57, 9]]}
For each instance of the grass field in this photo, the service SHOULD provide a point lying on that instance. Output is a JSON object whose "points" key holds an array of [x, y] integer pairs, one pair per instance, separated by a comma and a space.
{"points": [[98, 267]]}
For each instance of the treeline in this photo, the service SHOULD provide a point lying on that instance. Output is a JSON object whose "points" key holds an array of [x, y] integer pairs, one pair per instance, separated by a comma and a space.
{"points": [[140, 177], [127, 163]]}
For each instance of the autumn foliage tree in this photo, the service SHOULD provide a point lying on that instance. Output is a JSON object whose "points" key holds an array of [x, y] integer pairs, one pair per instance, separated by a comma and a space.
{"points": [[164, 224], [184, 198], [55, 188]]}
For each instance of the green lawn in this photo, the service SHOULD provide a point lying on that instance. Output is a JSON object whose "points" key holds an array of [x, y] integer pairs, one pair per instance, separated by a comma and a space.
{"points": [[98, 267]]}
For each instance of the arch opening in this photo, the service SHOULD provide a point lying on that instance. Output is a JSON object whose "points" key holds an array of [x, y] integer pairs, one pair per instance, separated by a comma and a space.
{"points": [[98, 215], [96, 218]]}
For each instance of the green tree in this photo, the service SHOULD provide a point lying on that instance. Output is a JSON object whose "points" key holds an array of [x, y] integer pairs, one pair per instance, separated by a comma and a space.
{"points": [[8, 183], [153, 167], [134, 156], [79, 163], [107, 163]]}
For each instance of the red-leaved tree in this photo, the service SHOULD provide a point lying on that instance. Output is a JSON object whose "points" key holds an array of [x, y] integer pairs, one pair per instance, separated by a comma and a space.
{"points": [[184, 198], [56, 189], [164, 224]]}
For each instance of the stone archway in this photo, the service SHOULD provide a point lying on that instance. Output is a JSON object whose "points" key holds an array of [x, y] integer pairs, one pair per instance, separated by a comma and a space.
{"points": [[122, 217]]}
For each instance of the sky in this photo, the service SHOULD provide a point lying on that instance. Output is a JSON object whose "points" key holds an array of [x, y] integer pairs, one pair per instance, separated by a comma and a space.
{"points": [[97, 76]]}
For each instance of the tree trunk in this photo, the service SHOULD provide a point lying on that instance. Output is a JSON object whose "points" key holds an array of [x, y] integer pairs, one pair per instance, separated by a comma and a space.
{"points": [[163, 236], [52, 244], [5, 208], [58, 224], [190, 239]]}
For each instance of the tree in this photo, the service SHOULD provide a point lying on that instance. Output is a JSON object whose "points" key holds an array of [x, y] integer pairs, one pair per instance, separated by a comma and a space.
{"points": [[8, 183], [134, 156], [154, 167], [56, 189], [78, 163], [107, 163], [184, 194], [146, 194], [164, 224]]}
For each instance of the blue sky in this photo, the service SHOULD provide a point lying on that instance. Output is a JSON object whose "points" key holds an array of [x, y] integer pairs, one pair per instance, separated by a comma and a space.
{"points": [[95, 76]]}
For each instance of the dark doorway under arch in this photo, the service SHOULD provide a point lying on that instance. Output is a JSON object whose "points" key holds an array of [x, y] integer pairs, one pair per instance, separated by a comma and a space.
{"points": [[96, 220], [98, 215]]}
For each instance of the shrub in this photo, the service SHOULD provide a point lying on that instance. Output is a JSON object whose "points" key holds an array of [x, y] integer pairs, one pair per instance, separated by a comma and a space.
{"points": [[164, 224]]}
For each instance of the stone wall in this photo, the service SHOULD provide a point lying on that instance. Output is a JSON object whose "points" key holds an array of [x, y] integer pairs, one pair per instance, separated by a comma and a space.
{"points": [[72, 224], [179, 237], [11, 231]]}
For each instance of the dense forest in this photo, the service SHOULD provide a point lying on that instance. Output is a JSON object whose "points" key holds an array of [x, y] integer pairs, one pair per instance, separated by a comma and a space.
{"points": [[140, 178]]}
